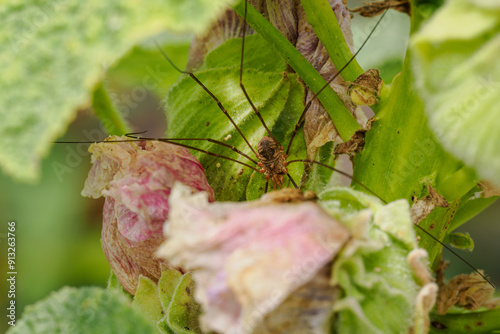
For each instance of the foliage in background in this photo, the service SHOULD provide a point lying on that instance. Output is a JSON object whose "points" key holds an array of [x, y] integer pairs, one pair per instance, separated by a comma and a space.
{"points": [[42, 87], [83, 310], [456, 72]]}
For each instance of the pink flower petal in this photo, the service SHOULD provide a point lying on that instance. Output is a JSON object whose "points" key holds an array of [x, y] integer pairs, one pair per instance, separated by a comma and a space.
{"points": [[247, 256]]}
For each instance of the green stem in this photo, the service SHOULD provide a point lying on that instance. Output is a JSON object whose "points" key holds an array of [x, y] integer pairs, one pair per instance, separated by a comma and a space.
{"points": [[107, 113], [321, 16], [345, 123]]}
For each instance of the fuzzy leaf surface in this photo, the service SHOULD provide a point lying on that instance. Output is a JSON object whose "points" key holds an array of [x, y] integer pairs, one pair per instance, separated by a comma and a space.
{"points": [[53, 55], [83, 310]]}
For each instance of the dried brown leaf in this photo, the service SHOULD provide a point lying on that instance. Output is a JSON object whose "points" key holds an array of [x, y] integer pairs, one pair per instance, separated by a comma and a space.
{"points": [[468, 291], [489, 190], [378, 7], [354, 145], [424, 206]]}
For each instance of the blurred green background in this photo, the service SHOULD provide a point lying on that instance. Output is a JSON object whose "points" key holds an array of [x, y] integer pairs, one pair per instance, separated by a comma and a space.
{"points": [[58, 230]]}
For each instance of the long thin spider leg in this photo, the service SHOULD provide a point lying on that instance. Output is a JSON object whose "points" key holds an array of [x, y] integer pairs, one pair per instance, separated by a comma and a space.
{"points": [[267, 185], [215, 142], [213, 154], [219, 104], [385, 202], [293, 182], [131, 135], [308, 105], [166, 140], [456, 254], [241, 75], [340, 172]]}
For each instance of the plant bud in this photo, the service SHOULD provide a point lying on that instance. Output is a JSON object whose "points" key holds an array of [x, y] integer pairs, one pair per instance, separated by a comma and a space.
{"points": [[365, 90], [136, 179]]}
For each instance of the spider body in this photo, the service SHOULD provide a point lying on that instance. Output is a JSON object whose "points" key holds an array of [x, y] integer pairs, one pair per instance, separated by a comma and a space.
{"points": [[272, 161]]}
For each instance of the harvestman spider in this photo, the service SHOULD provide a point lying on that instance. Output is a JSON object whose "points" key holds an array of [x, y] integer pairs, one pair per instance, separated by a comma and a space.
{"points": [[270, 155]]}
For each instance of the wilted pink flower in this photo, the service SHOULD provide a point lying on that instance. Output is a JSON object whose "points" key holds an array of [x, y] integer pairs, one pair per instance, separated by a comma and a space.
{"points": [[136, 179], [249, 258]]}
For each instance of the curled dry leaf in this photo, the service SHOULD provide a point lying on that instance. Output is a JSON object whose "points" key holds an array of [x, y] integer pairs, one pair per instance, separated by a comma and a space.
{"points": [[357, 142], [489, 190], [250, 260], [468, 291], [424, 206], [136, 180], [378, 7], [354, 145]]}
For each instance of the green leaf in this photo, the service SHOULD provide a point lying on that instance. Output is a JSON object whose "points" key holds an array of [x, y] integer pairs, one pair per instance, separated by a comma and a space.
{"points": [[107, 113], [179, 306], [168, 282], [460, 240], [147, 299], [53, 56], [115, 286], [455, 57], [401, 154], [154, 73], [278, 96], [470, 205], [320, 177], [83, 310]]}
